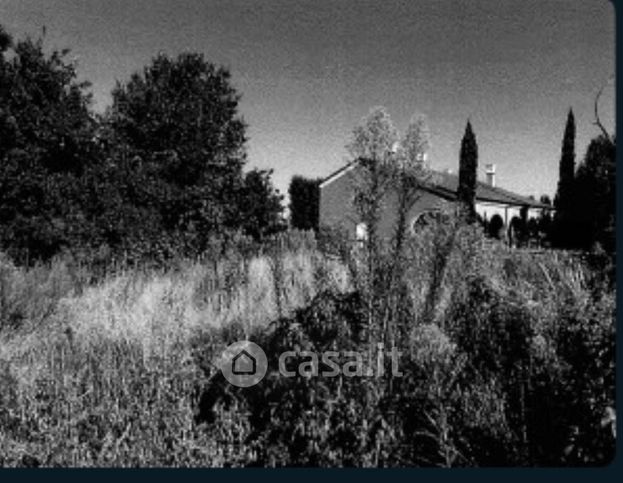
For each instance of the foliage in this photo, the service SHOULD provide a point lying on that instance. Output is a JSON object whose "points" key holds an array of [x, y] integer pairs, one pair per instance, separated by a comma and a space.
{"points": [[468, 171], [174, 132], [507, 355], [304, 196], [495, 227], [374, 138], [178, 120], [46, 143], [498, 377], [512, 363], [564, 234], [181, 114], [156, 178], [564, 195], [260, 205], [595, 195], [373, 147], [411, 172], [585, 201]]}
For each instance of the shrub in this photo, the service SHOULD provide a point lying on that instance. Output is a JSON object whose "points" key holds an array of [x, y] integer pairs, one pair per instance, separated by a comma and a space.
{"points": [[509, 362]]}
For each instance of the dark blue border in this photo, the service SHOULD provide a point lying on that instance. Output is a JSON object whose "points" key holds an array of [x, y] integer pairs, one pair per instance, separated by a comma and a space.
{"points": [[321, 475]]}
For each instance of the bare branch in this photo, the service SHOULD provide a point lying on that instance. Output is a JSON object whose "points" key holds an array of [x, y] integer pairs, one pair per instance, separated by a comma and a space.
{"points": [[597, 121]]}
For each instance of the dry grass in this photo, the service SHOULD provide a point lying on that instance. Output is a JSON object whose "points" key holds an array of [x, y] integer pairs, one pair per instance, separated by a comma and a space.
{"points": [[103, 374], [106, 373]]}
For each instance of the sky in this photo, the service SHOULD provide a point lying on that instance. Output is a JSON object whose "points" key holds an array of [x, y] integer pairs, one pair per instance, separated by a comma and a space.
{"points": [[308, 71]]}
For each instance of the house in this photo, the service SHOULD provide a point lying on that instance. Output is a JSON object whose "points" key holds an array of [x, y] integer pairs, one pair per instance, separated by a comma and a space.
{"points": [[493, 204]]}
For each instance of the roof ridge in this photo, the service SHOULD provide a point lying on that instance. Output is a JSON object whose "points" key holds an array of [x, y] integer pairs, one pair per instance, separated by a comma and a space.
{"points": [[507, 196]]}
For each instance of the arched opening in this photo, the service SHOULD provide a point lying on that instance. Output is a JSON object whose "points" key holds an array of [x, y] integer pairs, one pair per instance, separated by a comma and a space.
{"points": [[496, 227]]}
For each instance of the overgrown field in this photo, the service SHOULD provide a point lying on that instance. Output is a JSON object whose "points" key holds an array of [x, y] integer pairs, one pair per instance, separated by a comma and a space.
{"points": [[507, 359]]}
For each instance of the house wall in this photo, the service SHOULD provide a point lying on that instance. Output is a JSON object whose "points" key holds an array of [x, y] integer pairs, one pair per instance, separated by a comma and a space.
{"points": [[337, 210], [487, 210], [336, 206]]}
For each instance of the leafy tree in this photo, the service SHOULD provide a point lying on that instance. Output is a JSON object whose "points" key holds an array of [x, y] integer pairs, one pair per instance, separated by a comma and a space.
{"points": [[46, 142], [595, 195], [156, 176], [183, 113], [373, 148], [122, 201], [261, 210], [179, 120], [468, 168], [412, 171], [564, 231], [304, 196]]}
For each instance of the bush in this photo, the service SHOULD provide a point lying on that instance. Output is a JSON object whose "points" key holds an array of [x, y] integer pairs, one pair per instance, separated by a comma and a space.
{"points": [[515, 368], [507, 359]]}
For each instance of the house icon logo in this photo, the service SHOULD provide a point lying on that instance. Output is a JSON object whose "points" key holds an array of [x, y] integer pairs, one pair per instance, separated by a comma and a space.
{"points": [[243, 363]]}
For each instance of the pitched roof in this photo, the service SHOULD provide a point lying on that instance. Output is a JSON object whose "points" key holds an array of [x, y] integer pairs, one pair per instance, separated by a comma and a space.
{"points": [[338, 173], [446, 184]]}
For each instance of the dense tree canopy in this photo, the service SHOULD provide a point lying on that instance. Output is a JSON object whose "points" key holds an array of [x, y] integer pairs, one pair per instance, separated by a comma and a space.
{"points": [[163, 170], [260, 205], [46, 142], [585, 200], [182, 114], [595, 195], [179, 119], [304, 205], [158, 175]]}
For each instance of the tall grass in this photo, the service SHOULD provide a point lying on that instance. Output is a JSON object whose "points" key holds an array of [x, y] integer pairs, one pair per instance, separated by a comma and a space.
{"points": [[116, 370], [104, 373]]}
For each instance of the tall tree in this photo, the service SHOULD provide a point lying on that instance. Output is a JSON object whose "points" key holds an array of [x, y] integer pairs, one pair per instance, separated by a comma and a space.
{"points": [[412, 172], [373, 148], [595, 190], [468, 169], [260, 205], [564, 195], [304, 196], [182, 113], [47, 136], [179, 119], [564, 200]]}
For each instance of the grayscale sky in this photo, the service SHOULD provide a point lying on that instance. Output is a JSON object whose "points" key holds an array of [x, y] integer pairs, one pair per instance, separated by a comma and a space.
{"points": [[308, 71]]}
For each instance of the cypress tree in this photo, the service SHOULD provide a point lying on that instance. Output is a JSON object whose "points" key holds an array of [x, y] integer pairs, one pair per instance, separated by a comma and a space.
{"points": [[468, 166], [563, 202]]}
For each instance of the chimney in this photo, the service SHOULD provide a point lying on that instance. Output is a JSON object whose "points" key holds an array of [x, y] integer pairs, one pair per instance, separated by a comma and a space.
{"points": [[490, 173]]}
